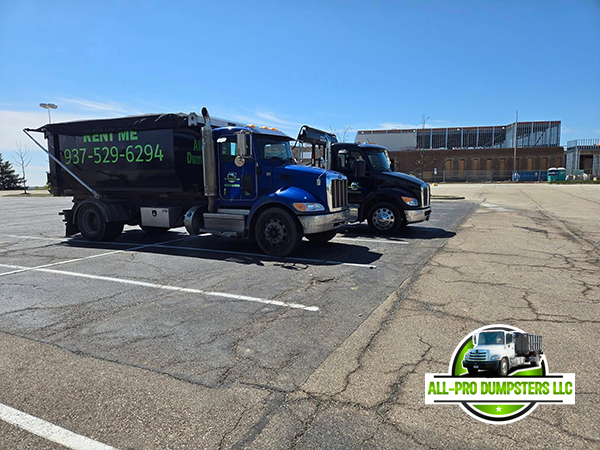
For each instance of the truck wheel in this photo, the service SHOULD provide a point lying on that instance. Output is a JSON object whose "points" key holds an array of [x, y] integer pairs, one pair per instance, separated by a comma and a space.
{"points": [[277, 233], [503, 368], [91, 222], [472, 371], [534, 362], [113, 230], [385, 218], [154, 230], [321, 238]]}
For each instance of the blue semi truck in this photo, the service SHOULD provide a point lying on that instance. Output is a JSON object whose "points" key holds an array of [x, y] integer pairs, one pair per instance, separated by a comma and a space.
{"points": [[169, 170]]}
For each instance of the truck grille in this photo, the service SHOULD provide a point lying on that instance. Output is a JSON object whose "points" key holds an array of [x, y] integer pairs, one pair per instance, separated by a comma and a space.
{"points": [[337, 193], [425, 195], [478, 356]]}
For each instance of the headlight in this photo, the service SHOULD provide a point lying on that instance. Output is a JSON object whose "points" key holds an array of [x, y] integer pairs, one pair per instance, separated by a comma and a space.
{"points": [[410, 201], [309, 207], [494, 357]]}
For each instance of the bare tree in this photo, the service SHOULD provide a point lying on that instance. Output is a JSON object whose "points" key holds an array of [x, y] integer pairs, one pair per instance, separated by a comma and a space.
{"points": [[342, 136], [22, 159]]}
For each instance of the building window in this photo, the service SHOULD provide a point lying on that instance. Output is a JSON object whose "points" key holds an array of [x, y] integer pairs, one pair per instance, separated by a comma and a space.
{"points": [[461, 168], [489, 167], [502, 165], [558, 161], [529, 164], [475, 166], [545, 163]]}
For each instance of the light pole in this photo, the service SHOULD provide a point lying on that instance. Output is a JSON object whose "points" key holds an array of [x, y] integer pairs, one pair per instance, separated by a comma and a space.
{"points": [[515, 149], [48, 106]]}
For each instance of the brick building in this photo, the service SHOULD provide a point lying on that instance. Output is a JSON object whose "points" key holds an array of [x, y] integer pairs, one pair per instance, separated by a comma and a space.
{"points": [[473, 153]]}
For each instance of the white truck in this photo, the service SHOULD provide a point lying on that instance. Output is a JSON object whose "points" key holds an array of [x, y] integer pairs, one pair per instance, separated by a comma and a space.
{"points": [[501, 350]]}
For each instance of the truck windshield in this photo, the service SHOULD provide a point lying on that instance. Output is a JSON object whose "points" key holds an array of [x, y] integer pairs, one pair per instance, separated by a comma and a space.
{"points": [[379, 161], [274, 150], [493, 338]]}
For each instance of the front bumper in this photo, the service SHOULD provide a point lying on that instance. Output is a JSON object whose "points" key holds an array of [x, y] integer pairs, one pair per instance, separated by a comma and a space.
{"points": [[482, 365], [417, 215], [324, 222]]}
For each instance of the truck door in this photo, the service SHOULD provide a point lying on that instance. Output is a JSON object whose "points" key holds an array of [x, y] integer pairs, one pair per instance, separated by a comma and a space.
{"points": [[358, 187], [236, 183], [510, 346]]}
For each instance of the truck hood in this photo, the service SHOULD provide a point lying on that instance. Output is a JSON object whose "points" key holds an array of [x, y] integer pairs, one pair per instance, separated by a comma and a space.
{"points": [[490, 348], [401, 179], [303, 177]]}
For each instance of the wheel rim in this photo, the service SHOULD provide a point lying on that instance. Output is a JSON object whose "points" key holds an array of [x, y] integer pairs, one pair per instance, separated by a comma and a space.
{"points": [[275, 232], [90, 221], [383, 219], [504, 368]]}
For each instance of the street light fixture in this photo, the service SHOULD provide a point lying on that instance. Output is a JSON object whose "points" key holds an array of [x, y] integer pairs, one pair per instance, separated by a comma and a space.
{"points": [[48, 106]]}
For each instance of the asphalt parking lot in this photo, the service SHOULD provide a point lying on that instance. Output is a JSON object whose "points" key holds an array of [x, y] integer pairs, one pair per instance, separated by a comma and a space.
{"points": [[210, 311], [199, 342]]}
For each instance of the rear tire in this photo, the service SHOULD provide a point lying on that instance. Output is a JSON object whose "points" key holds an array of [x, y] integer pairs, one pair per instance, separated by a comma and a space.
{"points": [[321, 238], [385, 218], [91, 222], [277, 232], [113, 230]]}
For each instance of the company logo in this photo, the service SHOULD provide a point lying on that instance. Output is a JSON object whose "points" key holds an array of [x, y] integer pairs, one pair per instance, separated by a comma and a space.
{"points": [[499, 374], [231, 177], [354, 186]]}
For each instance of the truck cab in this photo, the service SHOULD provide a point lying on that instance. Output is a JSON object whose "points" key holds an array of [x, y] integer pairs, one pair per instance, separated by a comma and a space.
{"points": [[499, 351], [387, 200]]}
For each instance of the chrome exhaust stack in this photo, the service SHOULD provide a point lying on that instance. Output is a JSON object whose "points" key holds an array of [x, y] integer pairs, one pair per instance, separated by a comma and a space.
{"points": [[208, 162]]}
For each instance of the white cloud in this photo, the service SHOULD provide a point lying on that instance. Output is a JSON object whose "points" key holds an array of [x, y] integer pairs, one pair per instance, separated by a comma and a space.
{"points": [[399, 126], [274, 119], [91, 105]]}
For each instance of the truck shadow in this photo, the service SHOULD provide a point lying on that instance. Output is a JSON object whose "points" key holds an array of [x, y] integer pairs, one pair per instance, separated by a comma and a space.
{"points": [[234, 250], [409, 232]]}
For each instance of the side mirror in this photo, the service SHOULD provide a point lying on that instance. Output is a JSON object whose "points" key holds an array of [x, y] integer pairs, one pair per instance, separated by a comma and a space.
{"points": [[360, 168], [393, 165], [474, 339], [242, 143]]}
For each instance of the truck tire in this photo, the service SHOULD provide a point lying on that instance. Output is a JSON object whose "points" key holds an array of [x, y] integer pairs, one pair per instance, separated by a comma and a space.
{"points": [[472, 371], [113, 230], [534, 362], [503, 368], [277, 233], [321, 238], [154, 230], [92, 224], [385, 218]]}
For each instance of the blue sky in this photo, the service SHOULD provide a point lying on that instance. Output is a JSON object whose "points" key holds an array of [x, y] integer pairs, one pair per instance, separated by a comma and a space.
{"points": [[330, 64]]}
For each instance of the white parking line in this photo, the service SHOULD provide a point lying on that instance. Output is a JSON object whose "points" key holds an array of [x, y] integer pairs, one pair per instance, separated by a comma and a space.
{"points": [[49, 431], [25, 269], [162, 286]]}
